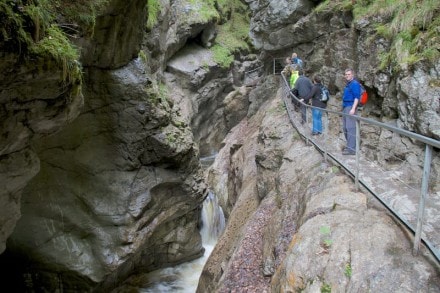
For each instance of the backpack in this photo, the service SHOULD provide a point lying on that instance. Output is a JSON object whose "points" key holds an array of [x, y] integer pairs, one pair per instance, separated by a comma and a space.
{"points": [[325, 95], [363, 99], [298, 62], [364, 96]]}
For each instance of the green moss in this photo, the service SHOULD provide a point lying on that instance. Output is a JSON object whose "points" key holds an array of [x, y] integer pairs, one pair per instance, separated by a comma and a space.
{"points": [[12, 24], [154, 8], [410, 26], [40, 17], [158, 95], [200, 11], [326, 288], [222, 56], [56, 46], [233, 33], [143, 56], [30, 27], [348, 272], [78, 13]]}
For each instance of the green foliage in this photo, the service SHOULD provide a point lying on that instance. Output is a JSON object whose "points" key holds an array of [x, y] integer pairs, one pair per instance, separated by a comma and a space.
{"points": [[12, 24], [163, 94], [202, 11], [158, 94], [233, 33], [40, 17], [348, 271], [30, 26], [143, 56], [154, 8], [222, 56], [56, 46], [383, 31], [410, 26], [326, 288], [341, 5], [78, 12], [171, 137], [327, 243], [324, 230]]}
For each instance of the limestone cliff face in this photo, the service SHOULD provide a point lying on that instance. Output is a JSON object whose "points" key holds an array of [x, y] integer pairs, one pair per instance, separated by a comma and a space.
{"points": [[278, 194], [284, 202], [118, 189], [330, 41], [35, 102], [108, 181]]}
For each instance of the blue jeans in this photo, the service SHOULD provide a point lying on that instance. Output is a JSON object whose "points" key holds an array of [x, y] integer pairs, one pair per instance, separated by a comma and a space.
{"points": [[349, 128], [317, 121]]}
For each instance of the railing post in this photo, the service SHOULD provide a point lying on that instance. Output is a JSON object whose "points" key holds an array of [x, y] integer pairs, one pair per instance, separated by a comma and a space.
{"points": [[274, 63], [325, 132], [358, 143], [424, 192]]}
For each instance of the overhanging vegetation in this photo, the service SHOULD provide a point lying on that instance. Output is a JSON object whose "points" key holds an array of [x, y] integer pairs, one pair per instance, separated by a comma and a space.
{"points": [[412, 27]]}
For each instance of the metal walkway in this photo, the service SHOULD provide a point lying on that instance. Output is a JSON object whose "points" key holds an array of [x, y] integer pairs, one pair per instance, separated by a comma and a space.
{"points": [[413, 203]]}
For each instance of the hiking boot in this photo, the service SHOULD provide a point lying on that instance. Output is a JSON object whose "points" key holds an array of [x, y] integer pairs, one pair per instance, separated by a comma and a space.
{"points": [[348, 152]]}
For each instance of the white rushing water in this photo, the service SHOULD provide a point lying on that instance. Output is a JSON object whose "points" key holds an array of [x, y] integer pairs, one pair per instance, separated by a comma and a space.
{"points": [[185, 277]]}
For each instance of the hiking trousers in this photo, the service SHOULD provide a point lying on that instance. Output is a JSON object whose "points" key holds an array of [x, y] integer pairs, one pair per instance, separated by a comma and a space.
{"points": [[349, 128], [317, 120]]}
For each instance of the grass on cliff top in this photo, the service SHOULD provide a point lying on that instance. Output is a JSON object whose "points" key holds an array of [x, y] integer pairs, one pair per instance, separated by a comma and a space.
{"points": [[41, 29], [411, 26]]}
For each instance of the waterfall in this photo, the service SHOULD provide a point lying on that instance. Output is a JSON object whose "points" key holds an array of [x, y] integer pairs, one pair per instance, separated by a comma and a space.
{"points": [[185, 277]]}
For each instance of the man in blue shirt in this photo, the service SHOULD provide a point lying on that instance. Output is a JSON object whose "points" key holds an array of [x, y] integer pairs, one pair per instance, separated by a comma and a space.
{"points": [[297, 61], [350, 101]]}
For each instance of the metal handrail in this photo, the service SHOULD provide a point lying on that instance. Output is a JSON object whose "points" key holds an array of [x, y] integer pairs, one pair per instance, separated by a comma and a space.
{"points": [[430, 144]]}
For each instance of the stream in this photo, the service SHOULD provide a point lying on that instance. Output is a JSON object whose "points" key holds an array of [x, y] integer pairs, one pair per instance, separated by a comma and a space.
{"points": [[185, 277]]}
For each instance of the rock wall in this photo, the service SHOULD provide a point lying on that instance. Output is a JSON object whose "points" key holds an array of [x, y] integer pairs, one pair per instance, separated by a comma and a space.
{"points": [[296, 224], [34, 103], [119, 185], [331, 41], [117, 190]]}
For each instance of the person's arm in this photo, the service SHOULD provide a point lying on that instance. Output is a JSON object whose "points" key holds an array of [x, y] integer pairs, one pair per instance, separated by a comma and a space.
{"points": [[353, 108], [356, 91], [311, 94]]}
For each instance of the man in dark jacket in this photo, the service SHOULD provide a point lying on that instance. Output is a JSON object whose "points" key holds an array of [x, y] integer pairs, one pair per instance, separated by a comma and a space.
{"points": [[315, 95], [350, 101], [303, 85]]}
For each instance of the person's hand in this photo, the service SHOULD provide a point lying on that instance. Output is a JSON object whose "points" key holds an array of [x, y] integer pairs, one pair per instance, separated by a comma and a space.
{"points": [[352, 111]]}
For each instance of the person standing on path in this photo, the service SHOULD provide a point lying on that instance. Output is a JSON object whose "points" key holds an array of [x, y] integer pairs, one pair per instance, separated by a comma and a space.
{"points": [[297, 61], [350, 101], [315, 95], [303, 85]]}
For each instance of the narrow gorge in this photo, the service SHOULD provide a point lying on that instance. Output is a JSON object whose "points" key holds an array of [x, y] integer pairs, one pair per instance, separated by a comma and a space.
{"points": [[107, 107]]}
